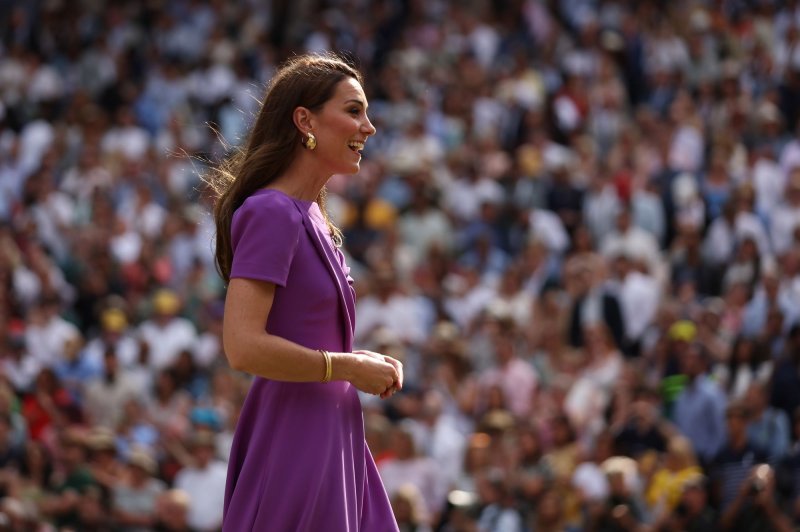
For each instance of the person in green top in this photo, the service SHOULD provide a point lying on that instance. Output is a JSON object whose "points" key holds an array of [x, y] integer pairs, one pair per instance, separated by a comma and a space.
{"points": [[75, 480]]}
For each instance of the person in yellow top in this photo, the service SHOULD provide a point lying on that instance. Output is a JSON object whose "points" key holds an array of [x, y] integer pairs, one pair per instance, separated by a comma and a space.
{"points": [[680, 465]]}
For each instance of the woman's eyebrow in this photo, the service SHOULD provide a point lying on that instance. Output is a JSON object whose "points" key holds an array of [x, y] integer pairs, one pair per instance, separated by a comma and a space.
{"points": [[357, 101]]}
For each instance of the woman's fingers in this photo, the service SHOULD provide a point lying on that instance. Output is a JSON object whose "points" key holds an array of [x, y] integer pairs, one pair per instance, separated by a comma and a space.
{"points": [[397, 382]]}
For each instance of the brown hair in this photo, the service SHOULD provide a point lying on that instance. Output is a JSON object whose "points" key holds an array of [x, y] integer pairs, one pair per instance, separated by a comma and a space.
{"points": [[308, 81]]}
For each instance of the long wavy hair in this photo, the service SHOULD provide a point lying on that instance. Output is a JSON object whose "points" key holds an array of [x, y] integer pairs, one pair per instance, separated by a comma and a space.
{"points": [[308, 81]]}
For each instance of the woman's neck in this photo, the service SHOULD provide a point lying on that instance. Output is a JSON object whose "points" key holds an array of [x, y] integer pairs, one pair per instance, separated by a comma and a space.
{"points": [[302, 180]]}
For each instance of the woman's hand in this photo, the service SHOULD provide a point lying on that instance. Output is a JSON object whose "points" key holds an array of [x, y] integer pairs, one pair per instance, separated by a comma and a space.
{"points": [[377, 374]]}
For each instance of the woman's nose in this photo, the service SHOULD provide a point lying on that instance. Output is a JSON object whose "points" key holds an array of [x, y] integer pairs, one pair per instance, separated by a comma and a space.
{"points": [[368, 128]]}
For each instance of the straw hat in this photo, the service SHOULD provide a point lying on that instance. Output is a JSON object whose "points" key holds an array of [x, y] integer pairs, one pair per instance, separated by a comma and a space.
{"points": [[143, 460]]}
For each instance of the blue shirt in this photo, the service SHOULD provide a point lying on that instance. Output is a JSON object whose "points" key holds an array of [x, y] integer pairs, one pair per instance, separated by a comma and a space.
{"points": [[700, 415], [770, 433]]}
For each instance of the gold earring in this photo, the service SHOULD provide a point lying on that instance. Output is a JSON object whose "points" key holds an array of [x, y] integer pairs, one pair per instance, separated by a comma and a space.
{"points": [[310, 142]]}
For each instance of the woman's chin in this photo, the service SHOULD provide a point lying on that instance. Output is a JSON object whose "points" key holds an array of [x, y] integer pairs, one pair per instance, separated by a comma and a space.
{"points": [[351, 169]]}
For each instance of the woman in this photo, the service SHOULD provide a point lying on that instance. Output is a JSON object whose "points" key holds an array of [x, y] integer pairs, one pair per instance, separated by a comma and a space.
{"points": [[747, 364], [666, 486], [170, 405], [299, 460]]}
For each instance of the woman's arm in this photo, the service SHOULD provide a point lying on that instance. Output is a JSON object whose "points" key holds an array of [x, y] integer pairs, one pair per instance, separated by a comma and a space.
{"points": [[250, 348]]}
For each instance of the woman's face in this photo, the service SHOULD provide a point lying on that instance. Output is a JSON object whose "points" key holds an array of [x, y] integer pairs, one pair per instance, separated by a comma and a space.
{"points": [[342, 127]]}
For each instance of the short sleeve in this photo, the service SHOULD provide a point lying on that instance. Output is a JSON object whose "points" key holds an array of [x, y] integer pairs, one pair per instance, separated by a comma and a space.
{"points": [[265, 231]]}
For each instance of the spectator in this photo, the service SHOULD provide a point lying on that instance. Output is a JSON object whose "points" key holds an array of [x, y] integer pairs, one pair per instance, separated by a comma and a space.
{"points": [[102, 447], [755, 507], [549, 514], [172, 511], [169, 409], [409, 466], [668, 482], [593, 301], [49, 407], [768, 428], [693, 512], [167, 334], [106, 395], [437, 434], [204, 482], [622, 510], [388, 306], [746, 366], [633, 241], [640, 428], [64, 504], [515, 379], [406, 505], [733, 464], [785, 219], [19, 367], [700, 406], [785, 385], [47, 332], [499, 515]]}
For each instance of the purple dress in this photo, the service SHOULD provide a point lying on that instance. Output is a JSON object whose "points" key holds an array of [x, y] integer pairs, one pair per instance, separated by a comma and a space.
{"points": [[299, 460]]}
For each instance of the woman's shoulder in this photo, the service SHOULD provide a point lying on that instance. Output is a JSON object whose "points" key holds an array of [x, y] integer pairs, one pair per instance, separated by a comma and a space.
{"points": [[272, 199], [271, 205]]}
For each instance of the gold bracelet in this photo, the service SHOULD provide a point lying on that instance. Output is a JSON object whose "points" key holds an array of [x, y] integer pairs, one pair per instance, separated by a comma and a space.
{"points": [[328, 365]]}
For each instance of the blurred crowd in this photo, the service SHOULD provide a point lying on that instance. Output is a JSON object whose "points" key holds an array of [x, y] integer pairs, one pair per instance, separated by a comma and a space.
{"points": [[578, 226]]}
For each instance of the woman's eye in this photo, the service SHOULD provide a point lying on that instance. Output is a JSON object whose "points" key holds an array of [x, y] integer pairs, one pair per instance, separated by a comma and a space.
{"points": [[354, 111]]}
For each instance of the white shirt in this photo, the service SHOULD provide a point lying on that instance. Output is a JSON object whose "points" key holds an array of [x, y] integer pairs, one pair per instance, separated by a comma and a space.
{"points": [[148, 219], [686, 150], [463, 197], [104, 402], [168, 341], [35, 139], [639, 297], [648, 213], [207, 349], [790, 156], [126, 349], [422, 230], [591, 480], [399, 314], [547, 228], [412, 153], [785, 219], [126, 247], [131, 141], [740, 382], [21, 373], [206, 489], [465, 306], [421, 472], [45, 84], [635, 242], [81, 183], [443, 442], [46, 342], [750, 225], [718, 244], [769, 182]]}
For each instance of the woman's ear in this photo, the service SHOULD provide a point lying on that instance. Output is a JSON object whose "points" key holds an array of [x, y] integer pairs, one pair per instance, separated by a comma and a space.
{"points": [[303, 119]]}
